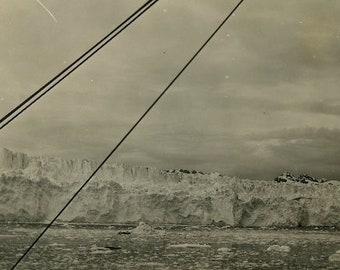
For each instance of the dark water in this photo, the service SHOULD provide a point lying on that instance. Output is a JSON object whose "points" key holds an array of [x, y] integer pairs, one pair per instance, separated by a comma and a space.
{"points": [[82, 247]]}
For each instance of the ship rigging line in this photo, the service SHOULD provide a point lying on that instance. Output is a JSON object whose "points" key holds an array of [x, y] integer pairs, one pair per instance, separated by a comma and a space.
{"points": [[28, 102], [127, 134]]}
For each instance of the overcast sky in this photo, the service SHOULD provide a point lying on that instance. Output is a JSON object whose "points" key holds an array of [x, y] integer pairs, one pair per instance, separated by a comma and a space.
{"points": [[261, 99]]}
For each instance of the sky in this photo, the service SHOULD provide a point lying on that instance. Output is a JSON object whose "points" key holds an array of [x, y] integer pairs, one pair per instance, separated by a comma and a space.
{"points": [[262, 98]]}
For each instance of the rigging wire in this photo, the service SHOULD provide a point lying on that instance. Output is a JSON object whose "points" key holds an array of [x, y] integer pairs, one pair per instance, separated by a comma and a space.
{"points": [[19, 109], [127, 134]]}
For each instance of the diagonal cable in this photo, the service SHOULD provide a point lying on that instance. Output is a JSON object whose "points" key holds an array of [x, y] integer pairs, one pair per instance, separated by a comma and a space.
{"points": [[19, 109], [128, 133]]}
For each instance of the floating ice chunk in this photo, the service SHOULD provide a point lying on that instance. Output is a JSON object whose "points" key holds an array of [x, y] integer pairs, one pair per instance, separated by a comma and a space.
{"points": [[100, 250], [143, 228], [56, 245], [278, 248], [335, 257], [94, 247], [150, 264], [190, 246], [224, 249]]}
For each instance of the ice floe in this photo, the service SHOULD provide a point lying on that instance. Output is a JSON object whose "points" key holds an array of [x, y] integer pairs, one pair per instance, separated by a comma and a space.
{"points": [[145, 229], [224, 250], [335, 257], [57, 245], [278, 248], [100, 250], [188, 245]]}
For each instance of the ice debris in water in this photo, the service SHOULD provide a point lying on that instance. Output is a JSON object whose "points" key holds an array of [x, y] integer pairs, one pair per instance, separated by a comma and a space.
{"points": [[143, 228], [224, 250], [335, 257], [100, 250], [278, 248], [187, 245], [151, 264], [56, 245]]}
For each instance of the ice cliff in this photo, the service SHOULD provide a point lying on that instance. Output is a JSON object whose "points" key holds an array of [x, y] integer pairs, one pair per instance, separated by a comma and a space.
{"points": [[33, 189]]}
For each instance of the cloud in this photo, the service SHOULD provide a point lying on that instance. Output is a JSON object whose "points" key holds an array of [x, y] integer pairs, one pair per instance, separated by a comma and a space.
{"points": [[331, 107], [310, 150], [241, 108]]}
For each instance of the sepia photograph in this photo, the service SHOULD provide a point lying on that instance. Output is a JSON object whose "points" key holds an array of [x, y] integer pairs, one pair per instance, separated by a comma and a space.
{"points": [[169, 134]]}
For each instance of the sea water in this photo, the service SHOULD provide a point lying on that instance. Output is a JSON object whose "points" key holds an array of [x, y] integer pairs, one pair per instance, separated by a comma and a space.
{"points": [[182, 247]]}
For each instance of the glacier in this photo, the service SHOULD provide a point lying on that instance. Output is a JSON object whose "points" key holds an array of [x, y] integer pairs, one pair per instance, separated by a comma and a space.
{"points": [[34, 189]]}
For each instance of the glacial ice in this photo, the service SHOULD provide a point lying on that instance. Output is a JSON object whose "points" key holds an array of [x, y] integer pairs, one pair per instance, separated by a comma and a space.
{"points": [[33, 189]]}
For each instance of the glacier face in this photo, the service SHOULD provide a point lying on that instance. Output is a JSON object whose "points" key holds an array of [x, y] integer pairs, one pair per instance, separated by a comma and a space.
{"points": [[34, 189]]}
